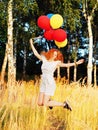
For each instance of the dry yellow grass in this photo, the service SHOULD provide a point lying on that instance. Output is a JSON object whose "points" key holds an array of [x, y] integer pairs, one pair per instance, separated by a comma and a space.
{"points": [[24, 114]]}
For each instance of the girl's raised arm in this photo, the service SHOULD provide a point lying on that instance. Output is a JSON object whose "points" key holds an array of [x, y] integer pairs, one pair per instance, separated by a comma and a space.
{"points": [[34, 50]]}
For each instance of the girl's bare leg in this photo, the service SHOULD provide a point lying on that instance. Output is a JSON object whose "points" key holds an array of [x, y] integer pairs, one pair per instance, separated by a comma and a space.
{"points": [[46, 101], [40, 99], [51, 103]]}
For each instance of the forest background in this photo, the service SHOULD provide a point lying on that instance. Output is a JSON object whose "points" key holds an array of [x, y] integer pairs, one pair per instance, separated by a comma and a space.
{"points": [[80, 23]]}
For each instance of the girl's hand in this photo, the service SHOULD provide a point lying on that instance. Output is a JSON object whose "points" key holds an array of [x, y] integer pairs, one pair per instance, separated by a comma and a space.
{"points": [[35, 38], [31, 41], [80, 61]]}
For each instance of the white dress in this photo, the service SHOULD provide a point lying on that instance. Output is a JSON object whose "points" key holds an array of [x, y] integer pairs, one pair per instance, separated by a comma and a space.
{"points": [[48, 84]]}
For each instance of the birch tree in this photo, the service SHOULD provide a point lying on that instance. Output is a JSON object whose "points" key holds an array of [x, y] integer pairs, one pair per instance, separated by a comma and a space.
{"points": [[88, 14], [4, 67], [11, 74]]}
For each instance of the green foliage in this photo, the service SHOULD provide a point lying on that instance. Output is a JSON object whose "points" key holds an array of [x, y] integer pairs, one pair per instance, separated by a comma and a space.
{"points": [[89, 4], [25, 11], [23, 7], [3, 21], [72, 14], [28, 11], [68, 9]]}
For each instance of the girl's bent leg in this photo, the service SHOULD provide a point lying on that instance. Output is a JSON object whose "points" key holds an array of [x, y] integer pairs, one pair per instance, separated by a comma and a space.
{"points": [[51, 103]]}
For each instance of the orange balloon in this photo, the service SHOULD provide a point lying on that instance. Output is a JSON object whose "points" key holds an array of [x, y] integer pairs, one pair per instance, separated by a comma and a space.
{"points": [[61, 44]]}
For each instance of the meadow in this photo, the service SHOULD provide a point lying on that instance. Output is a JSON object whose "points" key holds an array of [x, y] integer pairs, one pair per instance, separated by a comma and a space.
{"points": [[25, 114]]}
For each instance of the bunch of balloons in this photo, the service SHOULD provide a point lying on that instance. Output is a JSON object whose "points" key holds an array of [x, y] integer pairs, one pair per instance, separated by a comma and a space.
{"points": [[51, 24]]}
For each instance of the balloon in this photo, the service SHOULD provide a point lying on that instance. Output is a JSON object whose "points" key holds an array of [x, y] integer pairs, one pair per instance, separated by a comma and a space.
{"points": [[44, 22], [50, 15], [61, 44], [49, 34], [59, 35], [56, 21]]}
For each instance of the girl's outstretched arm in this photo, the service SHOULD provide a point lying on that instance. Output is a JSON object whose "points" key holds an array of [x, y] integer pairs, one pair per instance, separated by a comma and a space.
{"points": [[34, 50], [71, 64]]}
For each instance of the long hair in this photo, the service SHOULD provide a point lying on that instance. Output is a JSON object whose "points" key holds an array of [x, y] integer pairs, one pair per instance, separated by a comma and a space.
{"points": [[50, 53]]}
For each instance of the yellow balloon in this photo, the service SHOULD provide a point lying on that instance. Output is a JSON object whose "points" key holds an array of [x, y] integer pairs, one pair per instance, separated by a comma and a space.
{"points": [[61, 44], [56, 21]]}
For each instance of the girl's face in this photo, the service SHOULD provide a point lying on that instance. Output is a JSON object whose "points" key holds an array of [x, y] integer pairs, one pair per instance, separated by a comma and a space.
{"points": [[55, 55]]}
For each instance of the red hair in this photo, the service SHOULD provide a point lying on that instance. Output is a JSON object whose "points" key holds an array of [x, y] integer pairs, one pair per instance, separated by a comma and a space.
{"points": [[50, 53]]}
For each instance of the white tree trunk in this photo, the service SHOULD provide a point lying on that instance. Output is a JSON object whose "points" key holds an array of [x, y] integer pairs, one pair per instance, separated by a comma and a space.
{"points": [[89, 17], [75, 73], [58, 74], [68, 73], [11, 75], [90, 57], [14, 58], [95, 77], [4, 67]]}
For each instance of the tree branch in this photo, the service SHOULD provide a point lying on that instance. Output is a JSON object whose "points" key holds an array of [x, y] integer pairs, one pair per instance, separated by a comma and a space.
{"points": [[94, 8]]}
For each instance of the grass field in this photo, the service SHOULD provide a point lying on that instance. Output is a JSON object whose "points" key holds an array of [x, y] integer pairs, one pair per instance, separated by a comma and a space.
{"points": [[24, 114]]}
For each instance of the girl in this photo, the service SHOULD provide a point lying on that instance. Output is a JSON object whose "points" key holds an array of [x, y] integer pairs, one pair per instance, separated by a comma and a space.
{"points": [[50, 61]]}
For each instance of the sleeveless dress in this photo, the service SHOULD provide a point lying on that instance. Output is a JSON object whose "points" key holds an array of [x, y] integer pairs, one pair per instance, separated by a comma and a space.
{"points": [[48, 84]]}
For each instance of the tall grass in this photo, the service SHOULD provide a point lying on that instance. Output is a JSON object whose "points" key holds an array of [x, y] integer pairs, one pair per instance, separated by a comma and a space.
{"points": [[25, 114]]}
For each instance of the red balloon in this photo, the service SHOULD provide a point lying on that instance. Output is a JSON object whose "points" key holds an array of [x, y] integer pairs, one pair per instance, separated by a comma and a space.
{"points": [[49, 34], [43, 22], [59, 35]]}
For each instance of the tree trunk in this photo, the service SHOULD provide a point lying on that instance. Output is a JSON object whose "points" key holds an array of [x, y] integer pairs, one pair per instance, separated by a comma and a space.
{"points": [[11, 74], [15, 54], [75, 73], [89, 70], [95, 56], [58, 72], [89, 17], [68, 73], [24, 62], [95, 77], [4, 67]]}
